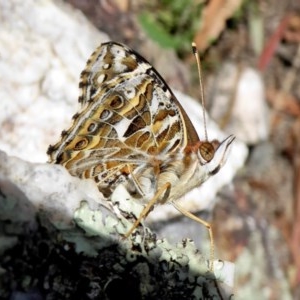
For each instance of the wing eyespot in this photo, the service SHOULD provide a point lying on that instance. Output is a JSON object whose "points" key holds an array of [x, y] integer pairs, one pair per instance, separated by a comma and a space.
{"points": [[92, 127], [117, 102], [105, 115], [81, 144]]}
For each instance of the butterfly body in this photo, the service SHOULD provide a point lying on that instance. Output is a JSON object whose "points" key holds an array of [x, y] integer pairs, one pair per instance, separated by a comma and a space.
{"points": [[131, 129]]}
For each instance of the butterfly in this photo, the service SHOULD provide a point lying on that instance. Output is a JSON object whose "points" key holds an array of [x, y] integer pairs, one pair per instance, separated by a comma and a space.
{"points": [[132, 130]]}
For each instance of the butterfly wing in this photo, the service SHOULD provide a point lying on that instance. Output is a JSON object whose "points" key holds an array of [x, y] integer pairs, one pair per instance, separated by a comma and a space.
{"points": [[128, 114]]}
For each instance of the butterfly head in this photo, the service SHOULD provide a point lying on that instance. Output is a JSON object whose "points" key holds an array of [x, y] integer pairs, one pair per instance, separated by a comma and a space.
{"points": [[214, 154]]}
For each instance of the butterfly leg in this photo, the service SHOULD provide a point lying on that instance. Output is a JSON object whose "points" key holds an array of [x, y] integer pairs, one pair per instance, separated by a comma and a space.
{"points": [[165, 188], [135, 181], [206, 224]]}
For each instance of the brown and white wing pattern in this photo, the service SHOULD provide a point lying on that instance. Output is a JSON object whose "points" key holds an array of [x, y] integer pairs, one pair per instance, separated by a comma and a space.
{"points": [[128, 115]]}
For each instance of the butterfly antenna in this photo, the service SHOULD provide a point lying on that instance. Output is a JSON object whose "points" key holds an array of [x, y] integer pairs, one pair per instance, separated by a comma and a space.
{"points": [[196, 54]]}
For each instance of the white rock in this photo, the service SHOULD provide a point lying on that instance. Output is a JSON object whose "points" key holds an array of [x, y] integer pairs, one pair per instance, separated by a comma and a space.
{"points": [[239, 99], [40, 64]]}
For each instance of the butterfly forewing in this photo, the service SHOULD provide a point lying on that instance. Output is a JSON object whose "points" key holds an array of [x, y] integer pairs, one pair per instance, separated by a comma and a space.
{"points": [[128, 116]]}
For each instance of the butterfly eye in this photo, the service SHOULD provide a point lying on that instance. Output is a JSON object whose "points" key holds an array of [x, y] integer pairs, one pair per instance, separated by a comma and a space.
{"points": [[207, 151]]}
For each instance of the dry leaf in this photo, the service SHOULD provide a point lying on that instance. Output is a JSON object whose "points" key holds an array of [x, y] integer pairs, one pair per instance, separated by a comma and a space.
{"points": [[283, 102], [122, 5], [214, 17], [272, 44], [292, 32]]}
